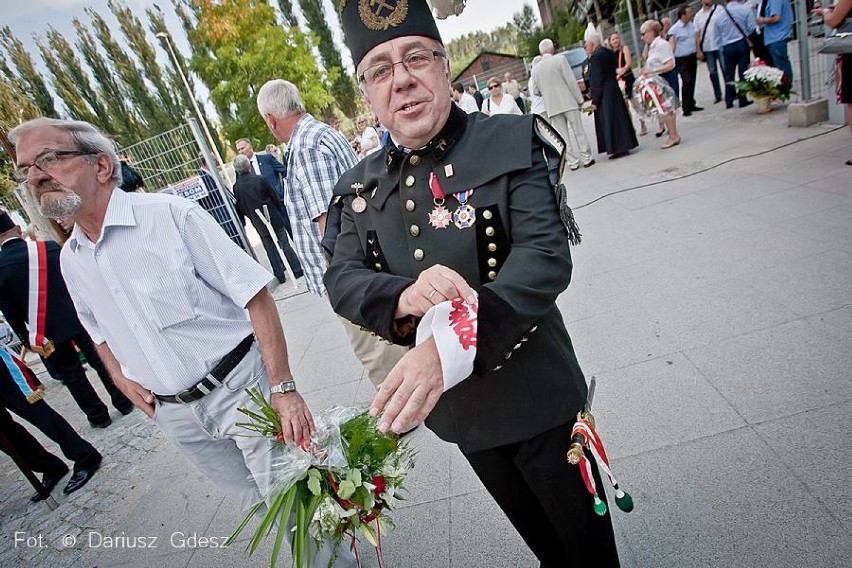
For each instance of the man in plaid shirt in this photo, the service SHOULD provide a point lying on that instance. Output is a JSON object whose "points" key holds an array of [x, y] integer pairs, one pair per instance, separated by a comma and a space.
{"points": [[317, 155]]}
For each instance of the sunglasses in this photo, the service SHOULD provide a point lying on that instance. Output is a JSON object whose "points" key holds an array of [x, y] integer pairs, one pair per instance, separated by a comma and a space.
{"points": [[493, 86]]}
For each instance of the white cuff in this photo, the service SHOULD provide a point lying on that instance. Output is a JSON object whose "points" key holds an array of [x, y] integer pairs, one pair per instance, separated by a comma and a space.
{"points": [[453, 324]]}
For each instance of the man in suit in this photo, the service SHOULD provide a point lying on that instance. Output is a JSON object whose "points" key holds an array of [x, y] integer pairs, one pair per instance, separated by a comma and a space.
{"points": [[555, 81], [274, 172], [61, 324], [477, 96], [253, 192], [464, 258], [21, 393]]}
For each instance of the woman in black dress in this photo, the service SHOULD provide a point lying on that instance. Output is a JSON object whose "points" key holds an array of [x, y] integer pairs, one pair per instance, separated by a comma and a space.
{"points": [[626, 78], [613, 126]]}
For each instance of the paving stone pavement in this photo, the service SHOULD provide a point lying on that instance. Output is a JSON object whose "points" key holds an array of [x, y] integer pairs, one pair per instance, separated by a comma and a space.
{"points": [[715, 310]]}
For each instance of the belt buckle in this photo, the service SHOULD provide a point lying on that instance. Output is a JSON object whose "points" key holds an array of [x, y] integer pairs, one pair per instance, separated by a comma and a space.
{"points": [[180, 394]]}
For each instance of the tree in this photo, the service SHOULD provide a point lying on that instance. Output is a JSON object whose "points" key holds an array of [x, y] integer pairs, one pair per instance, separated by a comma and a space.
{"points": [[28, 79], [65, 87], [125, 122], [152, 111], [286, 7], [342, 86], [240, 46]]}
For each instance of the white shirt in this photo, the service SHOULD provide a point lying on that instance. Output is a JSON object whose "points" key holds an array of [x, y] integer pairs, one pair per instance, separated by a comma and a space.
{"points": [[254, 165], [710, 42], [164, 286], [659, 52], [507, 106], [467, 103], [537, 105]]}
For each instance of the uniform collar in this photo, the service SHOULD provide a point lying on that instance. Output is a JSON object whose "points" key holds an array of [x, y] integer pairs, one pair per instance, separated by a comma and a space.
{"points": [[439, 146], [119, 213], [9, 240]]}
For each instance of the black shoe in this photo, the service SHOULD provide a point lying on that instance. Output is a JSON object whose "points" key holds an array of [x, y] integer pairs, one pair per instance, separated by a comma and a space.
{"points": [[80, 478], [104, 424], [660, 132], [746, 103], [49, 481], [589, 164], [729, 106], [717, 101], [697, 109], [298, 274], [687, 113], [126, 411], [618, 155]]}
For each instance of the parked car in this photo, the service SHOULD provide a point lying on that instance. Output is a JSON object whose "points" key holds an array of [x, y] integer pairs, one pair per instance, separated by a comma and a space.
{"points": [[576, 57]]}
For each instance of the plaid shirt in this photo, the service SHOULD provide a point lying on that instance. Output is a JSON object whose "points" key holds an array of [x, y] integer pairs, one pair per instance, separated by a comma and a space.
{"points": [[316, 157]]}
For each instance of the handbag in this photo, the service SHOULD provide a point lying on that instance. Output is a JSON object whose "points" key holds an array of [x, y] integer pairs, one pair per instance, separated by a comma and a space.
{"points": [[840, 41]]}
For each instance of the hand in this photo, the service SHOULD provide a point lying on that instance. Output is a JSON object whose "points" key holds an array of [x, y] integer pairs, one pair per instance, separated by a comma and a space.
{"points": [[433, 286], [647, 71], [142, 398], [411, 390], [700, 55], [297, 423]]}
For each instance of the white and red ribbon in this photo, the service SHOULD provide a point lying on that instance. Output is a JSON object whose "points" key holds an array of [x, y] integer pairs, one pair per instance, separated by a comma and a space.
{"points": [[37, 305], [453, 324]]}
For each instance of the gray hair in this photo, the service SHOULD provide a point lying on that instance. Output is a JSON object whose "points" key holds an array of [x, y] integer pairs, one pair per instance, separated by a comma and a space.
{"points": [[593, 37], [85, 137], [545, 46], [279, 98], [242, 165]]}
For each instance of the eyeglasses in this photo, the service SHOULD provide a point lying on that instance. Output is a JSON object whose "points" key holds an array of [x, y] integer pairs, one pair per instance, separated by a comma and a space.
{"points": [[414, 61], [493, 86], [45, 162]]}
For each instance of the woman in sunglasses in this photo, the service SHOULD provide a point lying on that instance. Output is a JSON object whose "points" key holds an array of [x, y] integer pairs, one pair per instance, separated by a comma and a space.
{"points": [[498, 102]]}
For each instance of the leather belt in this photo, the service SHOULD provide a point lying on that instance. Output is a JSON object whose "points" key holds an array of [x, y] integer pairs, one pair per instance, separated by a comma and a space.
{"points": [[214, 378]]}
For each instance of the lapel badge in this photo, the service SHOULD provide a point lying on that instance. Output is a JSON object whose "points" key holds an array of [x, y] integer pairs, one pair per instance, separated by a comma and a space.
{"points": [[448, 170]]}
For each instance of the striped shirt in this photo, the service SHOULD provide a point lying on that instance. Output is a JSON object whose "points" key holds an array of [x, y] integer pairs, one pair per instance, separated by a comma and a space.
{"points": [[317, 155], [163, 286]]}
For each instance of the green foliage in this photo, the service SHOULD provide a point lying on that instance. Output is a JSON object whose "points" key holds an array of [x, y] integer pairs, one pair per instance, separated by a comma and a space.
{"points": [[565, 31], [29, 81], [238, 46]]}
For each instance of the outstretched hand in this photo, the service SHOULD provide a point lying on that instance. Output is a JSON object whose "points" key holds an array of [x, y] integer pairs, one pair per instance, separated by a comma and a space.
{"points": [[297, 422], [411, 390]]}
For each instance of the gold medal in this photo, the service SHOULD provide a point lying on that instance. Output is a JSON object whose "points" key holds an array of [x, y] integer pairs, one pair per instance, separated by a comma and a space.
{"points": [[359, 204]]}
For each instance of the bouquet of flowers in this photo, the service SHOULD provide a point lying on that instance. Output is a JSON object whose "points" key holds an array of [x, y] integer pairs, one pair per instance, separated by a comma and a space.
{"points": [[340, 484], [762, 81], [654, 96]]}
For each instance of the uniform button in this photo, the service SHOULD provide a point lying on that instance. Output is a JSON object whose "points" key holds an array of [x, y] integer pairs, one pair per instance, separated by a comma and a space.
{"points": [[409, 181], [414, 230], [492, 247], [414, 160], [492, 275], [487, 214], [498, 367], [533, 328], [492, 262], [489, 231], [378, 266], [419, 254], [409, 205]]}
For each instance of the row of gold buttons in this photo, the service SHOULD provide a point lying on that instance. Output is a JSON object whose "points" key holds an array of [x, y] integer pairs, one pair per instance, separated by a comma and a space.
{"points": [[524, 339]]}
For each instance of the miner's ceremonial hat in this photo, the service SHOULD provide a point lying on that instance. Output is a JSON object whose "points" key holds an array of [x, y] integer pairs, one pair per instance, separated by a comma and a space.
{"points": [[368, 23], [6, 222]]}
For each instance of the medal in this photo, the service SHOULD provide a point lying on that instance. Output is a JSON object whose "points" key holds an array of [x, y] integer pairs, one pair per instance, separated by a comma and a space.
{"points": [[359, 204], [440, 216], [464, 216]]}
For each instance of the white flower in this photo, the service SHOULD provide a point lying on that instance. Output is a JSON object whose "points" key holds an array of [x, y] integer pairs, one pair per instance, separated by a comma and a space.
{"points": [[772, 76]]}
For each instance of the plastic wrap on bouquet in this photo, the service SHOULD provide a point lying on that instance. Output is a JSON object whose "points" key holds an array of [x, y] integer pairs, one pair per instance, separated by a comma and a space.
{"points": [[654, 96], [338, 485]]}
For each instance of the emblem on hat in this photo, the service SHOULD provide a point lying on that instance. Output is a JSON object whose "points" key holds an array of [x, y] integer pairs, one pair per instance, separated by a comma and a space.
{"points": [[381, 14]]}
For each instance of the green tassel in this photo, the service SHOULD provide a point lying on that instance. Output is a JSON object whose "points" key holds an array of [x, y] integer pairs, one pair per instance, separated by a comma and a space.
{"points": [[599, 506], [624, 501]]}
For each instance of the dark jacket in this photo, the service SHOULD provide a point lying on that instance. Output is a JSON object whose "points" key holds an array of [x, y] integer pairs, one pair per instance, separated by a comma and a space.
{"points": [[61, 323], [253, 192], [272, 171], [526, 378]]}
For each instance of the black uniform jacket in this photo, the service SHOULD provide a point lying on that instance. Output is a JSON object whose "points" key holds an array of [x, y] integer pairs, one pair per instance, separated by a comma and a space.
{"points": [[61, 323], [253, 192], [526, 377]]}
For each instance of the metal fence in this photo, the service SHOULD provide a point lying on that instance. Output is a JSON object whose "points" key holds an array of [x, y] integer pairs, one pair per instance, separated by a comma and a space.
{"points": [[179, 162], [9, 202]]}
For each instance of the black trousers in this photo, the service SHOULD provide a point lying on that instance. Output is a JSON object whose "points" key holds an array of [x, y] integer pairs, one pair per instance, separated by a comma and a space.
{"points": [[55, 427], [546, 500], [281, 227], [687, 67], [64, 366]]}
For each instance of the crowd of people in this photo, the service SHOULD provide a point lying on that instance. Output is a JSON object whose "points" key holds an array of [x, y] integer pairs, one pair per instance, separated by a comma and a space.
{"points": [[403, 228]]}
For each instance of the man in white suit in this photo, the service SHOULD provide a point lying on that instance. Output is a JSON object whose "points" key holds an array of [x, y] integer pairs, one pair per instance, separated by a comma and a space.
{"points": [[554, 80]]}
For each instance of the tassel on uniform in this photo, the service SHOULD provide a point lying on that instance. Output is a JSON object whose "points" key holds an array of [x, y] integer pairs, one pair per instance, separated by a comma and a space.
{"points": [[567, 216], [583, 435]]}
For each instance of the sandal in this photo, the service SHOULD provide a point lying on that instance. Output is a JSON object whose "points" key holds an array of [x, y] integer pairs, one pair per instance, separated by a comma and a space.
{"points": [[671, 143], [660, 132]]}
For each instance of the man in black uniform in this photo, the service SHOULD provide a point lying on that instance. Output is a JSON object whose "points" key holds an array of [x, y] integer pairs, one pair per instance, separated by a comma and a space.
{"points": [[21, 393], [427, 222], [61, 325]]}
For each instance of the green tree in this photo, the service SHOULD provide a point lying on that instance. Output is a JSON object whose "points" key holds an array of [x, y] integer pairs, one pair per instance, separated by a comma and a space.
{"points": [[342, 85], [66, 89], [240, 47], [153, 112], [28, 80], [286, 7], [125, 122], [15, 107]]}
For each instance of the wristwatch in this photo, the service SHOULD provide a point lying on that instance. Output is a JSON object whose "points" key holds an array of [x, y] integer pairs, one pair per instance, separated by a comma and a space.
{"points": [[283, 388]]}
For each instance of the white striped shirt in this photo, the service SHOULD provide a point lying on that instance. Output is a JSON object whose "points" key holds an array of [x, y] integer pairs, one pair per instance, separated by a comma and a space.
{"points": [[164, 286]]}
